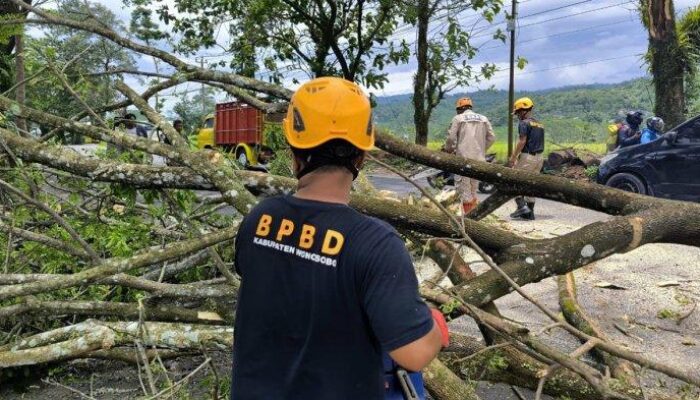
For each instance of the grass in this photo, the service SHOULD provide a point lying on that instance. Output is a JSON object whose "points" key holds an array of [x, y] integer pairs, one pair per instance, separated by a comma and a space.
{"points": [[501, 148]]}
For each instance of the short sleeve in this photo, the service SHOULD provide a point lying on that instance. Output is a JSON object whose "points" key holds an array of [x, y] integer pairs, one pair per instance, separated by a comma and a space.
{"points": [[240, 235], [523, 128], [397, 314]]}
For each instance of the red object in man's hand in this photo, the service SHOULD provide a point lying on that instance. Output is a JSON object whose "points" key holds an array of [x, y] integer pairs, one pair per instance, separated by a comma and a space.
{"points": [[442, 325]]}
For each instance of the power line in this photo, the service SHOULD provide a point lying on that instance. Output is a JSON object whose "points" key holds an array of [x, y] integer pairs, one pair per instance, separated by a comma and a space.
{"points": [[572, 65], [590, 28], [578, 13], [557, 18], [555, 9], [547, 11]]}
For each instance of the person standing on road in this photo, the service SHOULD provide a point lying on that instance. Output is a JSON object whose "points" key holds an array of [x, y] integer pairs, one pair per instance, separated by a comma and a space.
{"points": [[177, 125], [470, 136], [133, 128], [528, 152], [325, 290]]}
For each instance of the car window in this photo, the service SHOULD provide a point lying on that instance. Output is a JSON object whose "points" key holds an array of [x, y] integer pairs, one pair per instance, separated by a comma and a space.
{"points": [[209, 123], [689, 133]]}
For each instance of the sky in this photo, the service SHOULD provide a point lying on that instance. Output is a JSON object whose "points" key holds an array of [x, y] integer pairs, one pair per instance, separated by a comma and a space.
{"points": [[557, 43], [566, 42]]}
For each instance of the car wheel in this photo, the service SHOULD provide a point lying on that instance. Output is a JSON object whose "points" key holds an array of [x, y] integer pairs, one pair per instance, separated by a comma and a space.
{"points": [[628, 182], [242, 158]]}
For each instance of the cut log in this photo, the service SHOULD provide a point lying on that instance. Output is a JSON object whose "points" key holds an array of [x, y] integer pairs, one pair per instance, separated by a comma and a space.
{"points": [[558, 158], [589, 159]]}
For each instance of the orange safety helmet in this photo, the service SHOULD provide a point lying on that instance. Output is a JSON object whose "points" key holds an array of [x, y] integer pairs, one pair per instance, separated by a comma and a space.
{"points": [[523, 103], [464, 102], [329, 108]]}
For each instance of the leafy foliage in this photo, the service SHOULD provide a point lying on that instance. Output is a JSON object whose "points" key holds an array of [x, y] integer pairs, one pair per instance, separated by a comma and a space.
{"points": [[323, 38], [689, 38], [282, 161], [443, 58], [115, 220], [87, 54], [192, 110]]}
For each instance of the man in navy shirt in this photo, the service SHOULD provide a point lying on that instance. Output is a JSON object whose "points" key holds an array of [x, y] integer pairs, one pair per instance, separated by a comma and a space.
{"points": [[527, 154], [325, 290]]}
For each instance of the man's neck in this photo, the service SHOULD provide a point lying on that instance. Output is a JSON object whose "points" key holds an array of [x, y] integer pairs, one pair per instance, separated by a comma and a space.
{"points": [[328, 187]]}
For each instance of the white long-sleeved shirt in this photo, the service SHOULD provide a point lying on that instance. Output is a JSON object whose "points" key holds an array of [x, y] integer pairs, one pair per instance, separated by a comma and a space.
{"points": [[470, 135]]}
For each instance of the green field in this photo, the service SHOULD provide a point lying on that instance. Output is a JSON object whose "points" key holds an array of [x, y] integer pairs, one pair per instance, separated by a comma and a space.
{"points": [[501, 148]]}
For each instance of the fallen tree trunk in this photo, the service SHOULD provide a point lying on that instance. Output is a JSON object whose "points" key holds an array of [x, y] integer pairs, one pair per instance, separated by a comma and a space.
{"points": [[115, 266], [620, 369], [557, 158], [79, 340], [643, 220], [519, 182], [444, 384]]}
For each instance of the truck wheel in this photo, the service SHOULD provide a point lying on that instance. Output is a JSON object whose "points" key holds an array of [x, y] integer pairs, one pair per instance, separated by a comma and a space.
{"points": [[628, 182], [242, 158]]}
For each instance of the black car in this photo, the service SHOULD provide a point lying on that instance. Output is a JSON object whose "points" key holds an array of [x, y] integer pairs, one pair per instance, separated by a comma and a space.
{"points": [[668, 167]]}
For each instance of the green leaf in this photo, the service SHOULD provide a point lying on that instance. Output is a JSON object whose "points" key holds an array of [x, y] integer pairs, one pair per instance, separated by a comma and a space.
{"points": [[521, 62]]}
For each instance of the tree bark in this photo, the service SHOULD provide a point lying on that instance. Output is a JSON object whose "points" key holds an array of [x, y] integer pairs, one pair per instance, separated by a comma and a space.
{"points": [[666, 68], [420, 116], [568, 301], [444, 384], [20, 91]]}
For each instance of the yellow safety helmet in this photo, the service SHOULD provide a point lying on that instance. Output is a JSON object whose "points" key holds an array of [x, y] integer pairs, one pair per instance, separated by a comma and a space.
{"points": [[329, 108], [523, 103], [464, 102]]}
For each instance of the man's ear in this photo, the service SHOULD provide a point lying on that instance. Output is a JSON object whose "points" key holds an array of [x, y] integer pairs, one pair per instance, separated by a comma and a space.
{"points": [[297, 163], [360, 160]]}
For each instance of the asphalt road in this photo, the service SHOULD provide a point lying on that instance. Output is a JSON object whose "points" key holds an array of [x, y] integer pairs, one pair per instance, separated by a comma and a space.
{"points": [[546, 210], [660, 283]]}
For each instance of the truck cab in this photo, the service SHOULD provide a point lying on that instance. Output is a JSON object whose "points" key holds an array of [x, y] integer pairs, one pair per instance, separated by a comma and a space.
{"points": [[205, 135]]}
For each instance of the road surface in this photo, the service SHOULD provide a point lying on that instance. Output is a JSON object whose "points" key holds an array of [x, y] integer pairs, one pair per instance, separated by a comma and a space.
{"points": [[546, 210], [639, 308]]}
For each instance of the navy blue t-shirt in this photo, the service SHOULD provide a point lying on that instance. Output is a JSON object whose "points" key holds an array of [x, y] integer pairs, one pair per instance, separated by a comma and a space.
{"points": [[533, 130], [324, 292]]}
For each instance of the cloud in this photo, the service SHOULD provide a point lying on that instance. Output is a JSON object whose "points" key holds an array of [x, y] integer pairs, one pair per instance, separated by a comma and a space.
{"points": [[399, 82]]}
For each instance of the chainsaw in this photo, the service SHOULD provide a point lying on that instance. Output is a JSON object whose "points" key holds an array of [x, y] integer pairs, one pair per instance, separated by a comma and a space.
{"points": [[400, 384]]}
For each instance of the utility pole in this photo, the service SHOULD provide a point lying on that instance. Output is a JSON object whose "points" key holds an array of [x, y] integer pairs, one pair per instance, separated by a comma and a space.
{"points": [[201, 90], [511, 90]]}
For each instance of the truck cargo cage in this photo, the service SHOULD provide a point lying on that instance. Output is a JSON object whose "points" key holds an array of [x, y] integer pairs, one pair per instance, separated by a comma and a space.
{"points": [[238, 122]]}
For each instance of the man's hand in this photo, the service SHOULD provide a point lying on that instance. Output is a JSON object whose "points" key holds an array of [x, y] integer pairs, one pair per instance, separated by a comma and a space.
{"points": [[510, 163]]}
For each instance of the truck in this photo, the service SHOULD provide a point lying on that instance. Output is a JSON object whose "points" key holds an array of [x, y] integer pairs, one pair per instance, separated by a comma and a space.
{"points": [[239, 129]]}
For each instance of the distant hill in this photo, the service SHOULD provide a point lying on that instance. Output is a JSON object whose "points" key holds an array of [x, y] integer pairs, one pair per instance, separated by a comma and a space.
{"points": [[570, 114]]}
